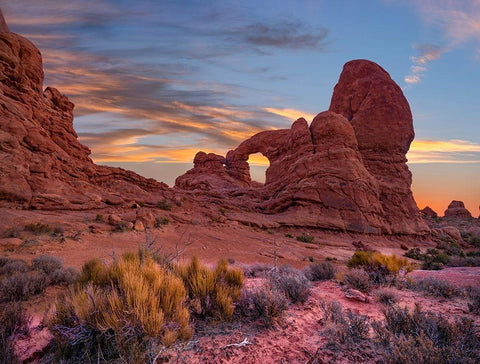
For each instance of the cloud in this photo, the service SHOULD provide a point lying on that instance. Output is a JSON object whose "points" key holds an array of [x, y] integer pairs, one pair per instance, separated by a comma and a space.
{"points": [[285, 34], [444, 151], [290, 114], [426, 54]]}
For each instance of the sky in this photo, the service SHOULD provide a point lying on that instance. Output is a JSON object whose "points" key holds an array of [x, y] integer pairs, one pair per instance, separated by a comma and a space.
{"points": [[156, 81]]}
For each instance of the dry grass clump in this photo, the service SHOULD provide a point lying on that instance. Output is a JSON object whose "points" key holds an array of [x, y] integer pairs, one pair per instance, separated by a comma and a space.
{"points": [[320, 271], [358, 278], [121, 311], [370, 260], [435, 287], [212, 293], [38, 228], [386, 296]]}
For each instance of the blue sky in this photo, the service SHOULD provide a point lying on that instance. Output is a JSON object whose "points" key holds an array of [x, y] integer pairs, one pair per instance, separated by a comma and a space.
{"points": [[156, 81]]}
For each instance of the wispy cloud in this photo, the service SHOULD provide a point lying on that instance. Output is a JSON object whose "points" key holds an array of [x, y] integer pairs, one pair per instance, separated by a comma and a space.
{"points": [[426, 54], [290, 114], [444, 151], [457, 21]]}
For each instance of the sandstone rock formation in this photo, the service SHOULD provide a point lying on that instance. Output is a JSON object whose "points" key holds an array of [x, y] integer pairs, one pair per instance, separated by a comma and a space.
{"points": [[345, 171], [43, 164], [428, 212], [457, 209]]}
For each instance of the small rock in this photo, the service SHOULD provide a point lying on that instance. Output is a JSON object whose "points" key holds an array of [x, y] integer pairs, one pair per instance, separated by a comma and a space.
{"points": [[139, 226], [114, 220], [353, 294], [146, 217]]}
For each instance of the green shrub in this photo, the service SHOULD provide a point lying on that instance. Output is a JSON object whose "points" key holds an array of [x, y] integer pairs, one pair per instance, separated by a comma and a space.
{"points": [[414, 253], [161, 221], [164, 205], [288, 235], [291, 282], [433, 259], [99, 218], [305, 238], [319, 271]]}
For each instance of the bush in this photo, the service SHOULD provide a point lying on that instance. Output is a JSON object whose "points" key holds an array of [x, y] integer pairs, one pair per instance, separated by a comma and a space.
{"points": [[357, 278], [291, 282], [47, 264], [11, 266], [120, 311], [212, 293], [305, 238], [164, 205], [38, 228], [433, 259], [13, 321], [320, 271], [20, 286], [473, 295], [387, 296], [343, 328], [161, 221], [419, 337], [414, 253], [372, 261], [257, 270], [264, 303], [288, 235], [436, 287]]}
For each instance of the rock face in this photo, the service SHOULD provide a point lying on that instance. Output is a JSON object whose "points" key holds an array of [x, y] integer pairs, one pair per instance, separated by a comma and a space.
{"points": [[457, 209], [428, 212], [345, 171], [43, 164]]}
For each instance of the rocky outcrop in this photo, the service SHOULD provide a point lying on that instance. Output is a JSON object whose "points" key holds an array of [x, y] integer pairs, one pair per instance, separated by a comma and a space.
{"points": [[43, 164], [428, 212], [457, 209], [345, 171]]}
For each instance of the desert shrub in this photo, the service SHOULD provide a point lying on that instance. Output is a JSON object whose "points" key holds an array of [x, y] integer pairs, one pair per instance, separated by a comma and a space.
{"points": [[288, 235], [63, 276], [358, 278], [264, 303], [305, 238], [343, 328], [212, 293], [47, 264], [138, 305], [123, 226], [435, 287], [434, 259], [12, 232], [370, 260], [164, 205], [99, 218], [13, 320], [20, 286], [38, 228], [464, 261], [414, 253], [475, 241], [161, 221], [387, 296], [291, 282], [256, 270], [11, 266], [450, 248], [419, 337], [473, 295], [319, 271]]}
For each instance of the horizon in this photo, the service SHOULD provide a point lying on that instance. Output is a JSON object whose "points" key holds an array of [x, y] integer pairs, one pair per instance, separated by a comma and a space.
{"points": [[155, 83]]}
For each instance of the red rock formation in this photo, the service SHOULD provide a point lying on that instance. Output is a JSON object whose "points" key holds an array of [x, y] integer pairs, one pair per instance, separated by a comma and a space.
{"points": [[43, 164], [346, 171], [457, 209], [428, 212]]}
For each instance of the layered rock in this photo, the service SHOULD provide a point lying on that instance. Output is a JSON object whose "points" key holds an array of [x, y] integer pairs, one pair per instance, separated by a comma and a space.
{"points": [[345, 171], [43, 164], [428, 212], [457, 209]]}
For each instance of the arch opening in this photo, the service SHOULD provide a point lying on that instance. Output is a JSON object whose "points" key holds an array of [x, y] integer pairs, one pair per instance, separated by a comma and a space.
{"points": [[258, 164]]}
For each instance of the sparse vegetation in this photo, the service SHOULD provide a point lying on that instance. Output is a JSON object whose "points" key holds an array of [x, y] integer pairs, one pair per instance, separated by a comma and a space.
{"points": [[164, 205], [435, 287], [288, 235], [19, 281], [387, 296], [320, 271], [13, 321], [38, 228], [358, 278], [99, 218], [305, 238], [161, 221], [291, 282]]}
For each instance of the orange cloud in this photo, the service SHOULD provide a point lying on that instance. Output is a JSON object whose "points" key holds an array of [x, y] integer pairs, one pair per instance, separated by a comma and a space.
{"points": [[290, 114], [444, 151]]}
